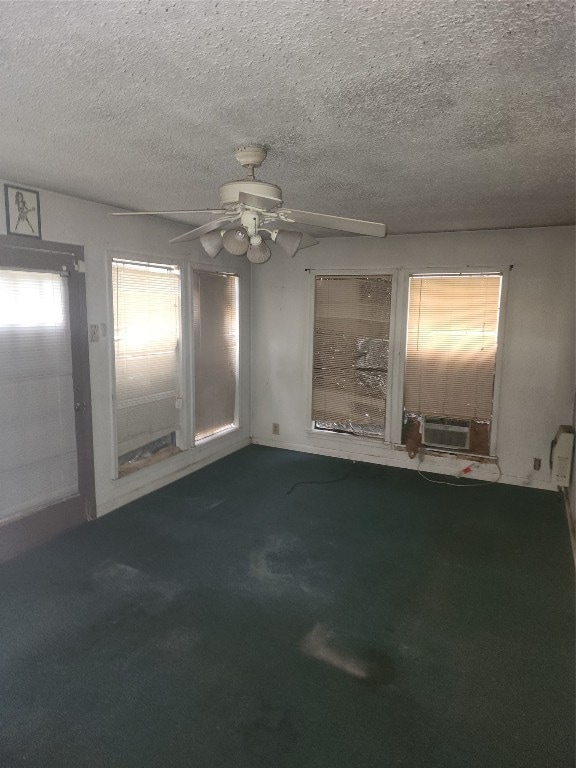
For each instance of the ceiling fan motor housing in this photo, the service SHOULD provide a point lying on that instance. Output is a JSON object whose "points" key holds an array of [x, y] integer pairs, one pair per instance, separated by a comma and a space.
{"points": [[229, 192], [250, 156]]}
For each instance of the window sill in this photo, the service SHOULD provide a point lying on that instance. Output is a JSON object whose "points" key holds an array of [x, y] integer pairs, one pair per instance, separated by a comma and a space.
{"points": [[448, 454], [216, 435], [145, 470], [325, 435]]}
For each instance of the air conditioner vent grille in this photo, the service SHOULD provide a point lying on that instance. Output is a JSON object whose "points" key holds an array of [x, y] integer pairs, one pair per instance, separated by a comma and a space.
{"points": [[446, 433]]}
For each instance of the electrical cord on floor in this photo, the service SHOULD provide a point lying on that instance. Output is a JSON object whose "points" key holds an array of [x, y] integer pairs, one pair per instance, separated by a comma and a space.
{"points": [[319, 482], [457, 485]]}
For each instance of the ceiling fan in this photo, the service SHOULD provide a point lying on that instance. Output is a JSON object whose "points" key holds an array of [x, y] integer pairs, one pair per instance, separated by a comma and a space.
{"points": [[252, 213]]}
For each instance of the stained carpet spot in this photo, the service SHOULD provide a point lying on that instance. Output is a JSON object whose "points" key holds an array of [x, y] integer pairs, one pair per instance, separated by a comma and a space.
{"points": [[371, 665], [125, 581]]}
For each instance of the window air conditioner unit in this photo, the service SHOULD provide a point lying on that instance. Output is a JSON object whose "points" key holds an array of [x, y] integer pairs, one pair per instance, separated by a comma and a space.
{"points": [[446, 433]]}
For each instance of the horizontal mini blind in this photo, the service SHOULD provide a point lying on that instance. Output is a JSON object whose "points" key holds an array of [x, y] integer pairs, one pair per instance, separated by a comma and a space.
{"points": [[351, 343], [38, 458], [215, 299], [451, 345], [147, 357]]}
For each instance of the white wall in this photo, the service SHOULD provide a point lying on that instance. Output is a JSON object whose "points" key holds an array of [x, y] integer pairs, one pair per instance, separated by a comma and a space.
{"points": [[539, 347], [73, 221], [538, 363]]}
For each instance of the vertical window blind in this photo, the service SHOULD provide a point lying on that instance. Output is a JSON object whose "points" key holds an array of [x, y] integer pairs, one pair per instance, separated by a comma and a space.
{"points": [[451, 345], [147, 351], [215, 301], [351, 344], [38, 458]]}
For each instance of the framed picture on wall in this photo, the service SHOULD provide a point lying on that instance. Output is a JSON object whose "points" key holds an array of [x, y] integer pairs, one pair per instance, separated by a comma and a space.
{"points": [[22, 211]]}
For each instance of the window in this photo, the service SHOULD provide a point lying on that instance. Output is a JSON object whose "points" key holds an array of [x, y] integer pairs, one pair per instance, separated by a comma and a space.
{"points": [[351, 345], [147, 357], [444, 394], [176, 339], [215, 302], [451, 356]]}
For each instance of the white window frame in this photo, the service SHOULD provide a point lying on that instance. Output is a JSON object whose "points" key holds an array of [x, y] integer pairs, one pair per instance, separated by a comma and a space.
{"points": [[236, 425], [313, 274], [397, 357], [504, 271], [185, 435]]}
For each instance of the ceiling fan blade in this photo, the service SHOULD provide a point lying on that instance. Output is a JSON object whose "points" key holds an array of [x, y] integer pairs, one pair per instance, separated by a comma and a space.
{"points": [[371, 228], [166, 213], [194, 233], [258, 201]]}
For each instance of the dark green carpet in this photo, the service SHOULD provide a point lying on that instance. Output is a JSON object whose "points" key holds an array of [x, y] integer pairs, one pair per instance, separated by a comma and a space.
{"points": [[170, 632]]}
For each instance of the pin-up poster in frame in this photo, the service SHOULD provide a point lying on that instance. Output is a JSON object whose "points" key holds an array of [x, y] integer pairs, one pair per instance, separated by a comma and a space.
{"points": [[22, 211]]}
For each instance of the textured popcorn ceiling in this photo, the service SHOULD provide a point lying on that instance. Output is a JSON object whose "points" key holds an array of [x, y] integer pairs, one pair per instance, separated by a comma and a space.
{"points": [[426, 114]]}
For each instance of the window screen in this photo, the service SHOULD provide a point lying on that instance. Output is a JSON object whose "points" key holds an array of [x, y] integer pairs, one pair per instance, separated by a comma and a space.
{"points": [[451, 345], [147, 357], [351, 343], [215, 299]]}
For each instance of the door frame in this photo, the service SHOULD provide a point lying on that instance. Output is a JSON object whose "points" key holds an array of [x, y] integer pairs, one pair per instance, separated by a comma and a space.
{"points": [[31, 530]]}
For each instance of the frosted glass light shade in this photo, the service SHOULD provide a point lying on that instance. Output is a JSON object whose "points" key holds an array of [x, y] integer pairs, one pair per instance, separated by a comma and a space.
{"points": [[288, 241], [258, 253], [212, 243], [236, 241]]}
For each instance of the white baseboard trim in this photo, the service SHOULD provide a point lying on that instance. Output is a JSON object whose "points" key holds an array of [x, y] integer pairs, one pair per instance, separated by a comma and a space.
{"points": [[219, 452], [402, 461]]}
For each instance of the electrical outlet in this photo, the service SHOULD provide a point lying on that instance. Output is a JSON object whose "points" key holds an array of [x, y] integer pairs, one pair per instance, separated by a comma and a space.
{"points": [[94, 333], [275, 428], [537, 464]]}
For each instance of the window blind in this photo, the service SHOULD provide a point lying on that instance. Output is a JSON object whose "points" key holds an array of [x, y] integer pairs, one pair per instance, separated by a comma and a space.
{"points": [[38, 459], [351, 343], [451, 345], [215, 298], [146, 341]]}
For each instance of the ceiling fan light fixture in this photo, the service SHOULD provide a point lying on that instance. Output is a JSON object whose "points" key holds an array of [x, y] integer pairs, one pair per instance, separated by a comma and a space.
{"points": [[212, 243], [258, 253], [287, 240], [236, 241]]}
